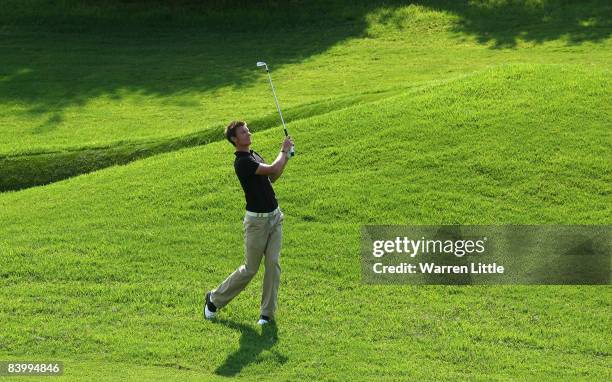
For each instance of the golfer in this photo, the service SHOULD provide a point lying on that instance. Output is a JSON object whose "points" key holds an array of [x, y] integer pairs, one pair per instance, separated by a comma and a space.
{"points": [[263, 229]]}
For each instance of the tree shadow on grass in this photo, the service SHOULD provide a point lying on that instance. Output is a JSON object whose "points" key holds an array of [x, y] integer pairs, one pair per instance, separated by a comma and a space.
{"points": [[58, 58], [504, 23], [252, 344], [57, 55], [54, 58]]}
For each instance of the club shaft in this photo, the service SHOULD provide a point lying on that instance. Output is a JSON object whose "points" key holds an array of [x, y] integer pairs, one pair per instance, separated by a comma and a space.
{"points": [[276, 101]]}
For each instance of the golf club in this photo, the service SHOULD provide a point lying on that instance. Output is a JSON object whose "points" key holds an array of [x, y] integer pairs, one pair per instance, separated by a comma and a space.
{"points": [[261, 64]]}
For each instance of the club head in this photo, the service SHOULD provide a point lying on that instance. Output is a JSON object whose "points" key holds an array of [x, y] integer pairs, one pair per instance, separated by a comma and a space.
{"points": [[261, 64]]}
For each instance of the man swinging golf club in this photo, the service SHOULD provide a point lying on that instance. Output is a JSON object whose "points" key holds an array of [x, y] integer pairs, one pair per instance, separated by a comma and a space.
{"points": [[263, 231]]}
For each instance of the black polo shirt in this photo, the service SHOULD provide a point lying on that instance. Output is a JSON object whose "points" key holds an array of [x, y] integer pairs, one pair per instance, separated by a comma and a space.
{"points": [[258, 190]]}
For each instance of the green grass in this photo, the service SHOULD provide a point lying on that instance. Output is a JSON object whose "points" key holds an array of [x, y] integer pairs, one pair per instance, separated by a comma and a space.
{"points": [[128, 79], [33, 169], [121, 255], [107, 270]]}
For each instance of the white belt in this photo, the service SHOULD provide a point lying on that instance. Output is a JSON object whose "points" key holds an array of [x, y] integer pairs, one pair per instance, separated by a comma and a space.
{"points": [[263, 214]]}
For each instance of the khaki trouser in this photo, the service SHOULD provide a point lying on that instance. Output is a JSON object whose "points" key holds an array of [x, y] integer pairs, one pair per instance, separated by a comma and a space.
{"points": [[262, 237]]}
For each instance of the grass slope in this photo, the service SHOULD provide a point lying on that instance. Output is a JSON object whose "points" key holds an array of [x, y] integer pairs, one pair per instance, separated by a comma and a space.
{"points": [[110, 267], [90, 84], [35, 169]]}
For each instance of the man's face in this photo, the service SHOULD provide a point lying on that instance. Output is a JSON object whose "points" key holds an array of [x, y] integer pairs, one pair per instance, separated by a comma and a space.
{"points": [[243, 136]]}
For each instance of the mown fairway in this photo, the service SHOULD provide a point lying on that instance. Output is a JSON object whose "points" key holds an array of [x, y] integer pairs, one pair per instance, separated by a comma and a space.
{"points": [[430, 113]]}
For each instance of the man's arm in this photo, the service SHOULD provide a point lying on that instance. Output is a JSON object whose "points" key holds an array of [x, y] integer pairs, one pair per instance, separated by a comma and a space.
{"points": [[276, 175], [275, 170]]}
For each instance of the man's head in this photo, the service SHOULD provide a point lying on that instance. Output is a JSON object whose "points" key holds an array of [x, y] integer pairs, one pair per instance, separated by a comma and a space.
{"points": [[238, 134]]}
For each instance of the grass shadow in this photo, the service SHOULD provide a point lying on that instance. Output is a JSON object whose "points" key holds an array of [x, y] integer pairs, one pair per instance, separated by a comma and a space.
{"points": [[57, 55], [33, 169], [506, 22], [57, 58], [252, 344]]}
